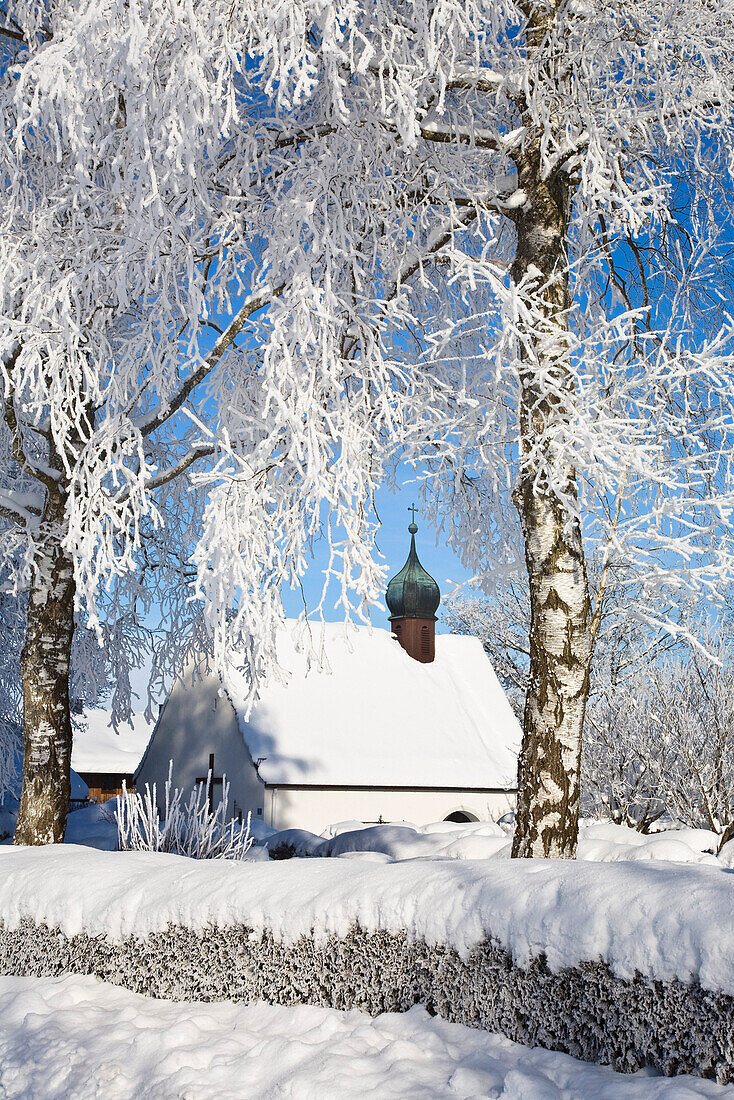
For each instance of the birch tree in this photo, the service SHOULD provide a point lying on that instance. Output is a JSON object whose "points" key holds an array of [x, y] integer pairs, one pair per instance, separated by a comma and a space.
{"points": [[101, 227], [610, 396], [205, 235]]}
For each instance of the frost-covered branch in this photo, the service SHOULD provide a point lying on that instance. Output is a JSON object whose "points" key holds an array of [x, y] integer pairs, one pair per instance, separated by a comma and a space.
{"points": [[152, 421], [20, 507], [163, 477], [9, 32], [479, 139]]}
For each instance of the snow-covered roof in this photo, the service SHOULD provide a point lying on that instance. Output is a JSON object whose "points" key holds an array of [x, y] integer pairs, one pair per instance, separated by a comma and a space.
{"points": [[379, 718], [97, 748]]}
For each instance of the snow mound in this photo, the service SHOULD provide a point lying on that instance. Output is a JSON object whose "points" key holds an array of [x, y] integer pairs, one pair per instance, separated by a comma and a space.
{"points": [[602, 841], [599, 842], [63, 1037], [293, 842], [726, 855], [402, 841]]}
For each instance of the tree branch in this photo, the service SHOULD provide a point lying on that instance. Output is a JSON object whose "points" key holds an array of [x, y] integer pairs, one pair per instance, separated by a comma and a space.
{"points": [[475, 82], [19, 507], [300, 137], [464, 219], [16, 31], [152, 420], [47, 477], [17, 36], [164, 476], [480, 139]]}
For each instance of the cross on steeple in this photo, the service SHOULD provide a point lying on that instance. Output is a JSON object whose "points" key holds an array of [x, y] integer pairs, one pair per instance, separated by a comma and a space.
{"points": [[412, 509]]}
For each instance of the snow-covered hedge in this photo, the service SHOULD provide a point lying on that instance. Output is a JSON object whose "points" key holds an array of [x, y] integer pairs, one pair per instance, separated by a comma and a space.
{"points": [[628, 964]]}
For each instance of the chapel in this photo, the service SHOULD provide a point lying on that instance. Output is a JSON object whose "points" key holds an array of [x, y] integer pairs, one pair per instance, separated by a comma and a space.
{"points": [[369, 724]]}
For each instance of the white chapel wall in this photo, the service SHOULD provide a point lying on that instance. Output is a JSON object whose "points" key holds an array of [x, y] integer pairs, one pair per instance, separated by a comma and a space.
{"points": [[201, 720], [315, 809]]}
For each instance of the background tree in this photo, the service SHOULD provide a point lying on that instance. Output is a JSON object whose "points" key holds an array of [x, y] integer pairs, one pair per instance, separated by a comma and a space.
{"points": [[693, 709], [659, 727]]}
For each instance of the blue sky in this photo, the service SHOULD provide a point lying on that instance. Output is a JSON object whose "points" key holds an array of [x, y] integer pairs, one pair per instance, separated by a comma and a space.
{"points": [[394, 543]]}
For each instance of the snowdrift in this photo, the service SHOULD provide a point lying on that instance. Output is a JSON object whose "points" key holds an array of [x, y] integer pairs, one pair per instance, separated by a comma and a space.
{"points": [[624, 963]]}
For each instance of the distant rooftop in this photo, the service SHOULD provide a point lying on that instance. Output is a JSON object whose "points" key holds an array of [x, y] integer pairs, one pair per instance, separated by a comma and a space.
{"points": [[97, 748]]}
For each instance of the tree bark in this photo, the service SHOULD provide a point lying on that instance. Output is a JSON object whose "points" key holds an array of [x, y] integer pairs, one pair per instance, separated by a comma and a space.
{"points": [[47, 734], [550, 758], [560, 622]]}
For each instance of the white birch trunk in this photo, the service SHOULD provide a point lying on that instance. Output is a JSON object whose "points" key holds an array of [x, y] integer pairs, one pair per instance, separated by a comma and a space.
{"points": [[560, 635], [47, 733]]}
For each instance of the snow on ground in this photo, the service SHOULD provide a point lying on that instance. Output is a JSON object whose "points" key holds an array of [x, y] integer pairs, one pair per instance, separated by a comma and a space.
{"points": [[598, 842], [630, 899], [662, 920], [77, 1037]]}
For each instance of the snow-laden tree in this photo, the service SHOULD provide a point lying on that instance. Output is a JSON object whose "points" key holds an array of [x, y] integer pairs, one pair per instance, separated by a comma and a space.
{"points": [[663, 741], [607, 404], [102, 224], [201, 262], [693, 703], [624, 760], [270, 246]]}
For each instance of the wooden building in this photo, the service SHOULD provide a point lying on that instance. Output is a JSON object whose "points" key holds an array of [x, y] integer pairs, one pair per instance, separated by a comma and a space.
{"points": [[104, 758]]}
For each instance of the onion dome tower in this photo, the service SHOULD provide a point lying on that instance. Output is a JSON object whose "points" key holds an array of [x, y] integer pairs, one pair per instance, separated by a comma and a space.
{"points": [[413, 598]]}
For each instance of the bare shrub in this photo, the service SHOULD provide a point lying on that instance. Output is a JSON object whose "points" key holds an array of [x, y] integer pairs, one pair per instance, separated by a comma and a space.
{"points": [[187, 828]]}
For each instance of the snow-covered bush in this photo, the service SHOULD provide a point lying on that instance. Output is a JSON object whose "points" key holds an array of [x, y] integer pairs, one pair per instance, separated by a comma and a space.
{"points": [[188, 828]]}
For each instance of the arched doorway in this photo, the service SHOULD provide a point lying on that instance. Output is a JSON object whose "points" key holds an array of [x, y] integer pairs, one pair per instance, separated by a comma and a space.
{"points": [[461, 816]]}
